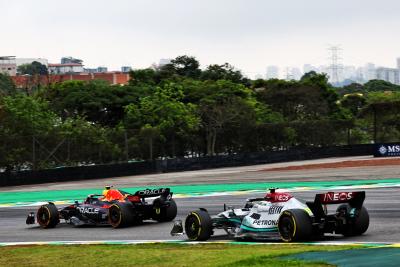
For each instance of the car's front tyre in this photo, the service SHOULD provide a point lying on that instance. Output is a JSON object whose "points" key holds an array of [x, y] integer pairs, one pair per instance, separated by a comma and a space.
{"points": [[294, 225], [48, 216], [198, 225]]}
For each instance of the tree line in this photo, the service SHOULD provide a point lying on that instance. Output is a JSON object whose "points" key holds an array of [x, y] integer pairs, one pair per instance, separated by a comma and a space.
{"points": [[180, 110]]}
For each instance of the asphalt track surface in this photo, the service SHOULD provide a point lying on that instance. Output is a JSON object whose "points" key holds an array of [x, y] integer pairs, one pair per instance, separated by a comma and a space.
{"points": [[383, 205]]}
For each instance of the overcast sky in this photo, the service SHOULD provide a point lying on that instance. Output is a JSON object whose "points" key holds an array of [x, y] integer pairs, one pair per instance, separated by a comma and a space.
{"points": [[248, 34]]}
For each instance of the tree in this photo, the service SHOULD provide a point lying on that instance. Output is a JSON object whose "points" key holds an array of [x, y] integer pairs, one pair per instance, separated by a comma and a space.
{"points": [[222, 72], [22, 119], [382, 112], [164, 113], [96, 100], [143, 76], [353, 102], [309, 99], [88, 143], [352, 88], [186, 66], [34, 68], [380, 85], [7, 86], [221, 103], [309, 76]]}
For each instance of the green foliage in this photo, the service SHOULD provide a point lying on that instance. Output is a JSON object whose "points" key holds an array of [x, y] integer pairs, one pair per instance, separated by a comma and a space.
{"points": [[222, 72], [353, 103], [309, 99], [143, 77], [7, 86], [163, 114], [382, 112], [379, 85], [22, 117], [34, 68], [96, 100], [186, 66], [25, 115], [178, 110]]}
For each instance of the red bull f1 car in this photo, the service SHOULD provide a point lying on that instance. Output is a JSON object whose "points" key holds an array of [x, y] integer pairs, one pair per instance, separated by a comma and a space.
{"points": [[115, 207], [280, 215]]}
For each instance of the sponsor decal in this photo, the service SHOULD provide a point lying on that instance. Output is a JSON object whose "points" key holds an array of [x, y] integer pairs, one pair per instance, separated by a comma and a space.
{"points": [[336, 197], [278, 197], [393, 149], [386, 150], [149, 192], [382, 150], [265, 222], [88, 210], [275, 209], [255, 216]]}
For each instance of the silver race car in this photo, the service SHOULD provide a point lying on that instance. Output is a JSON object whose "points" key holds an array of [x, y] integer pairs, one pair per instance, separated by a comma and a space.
{"points": [[280, 215]]}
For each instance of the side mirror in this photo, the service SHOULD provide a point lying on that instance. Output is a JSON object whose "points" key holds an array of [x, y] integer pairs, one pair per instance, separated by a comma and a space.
{"points": [[177, 229]]}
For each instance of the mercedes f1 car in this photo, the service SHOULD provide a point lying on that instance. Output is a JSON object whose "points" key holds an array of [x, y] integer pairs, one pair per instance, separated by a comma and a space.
{"points": [[115, 207], [280, 215]]}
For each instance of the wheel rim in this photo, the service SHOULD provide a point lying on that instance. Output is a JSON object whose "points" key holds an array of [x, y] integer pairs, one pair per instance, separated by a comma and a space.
{"points": [[286, 228], [43, 216], [115, 216], [192, 227]]}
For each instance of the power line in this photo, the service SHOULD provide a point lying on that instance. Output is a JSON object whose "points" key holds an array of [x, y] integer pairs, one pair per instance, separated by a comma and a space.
{"points": [[335, 66]]}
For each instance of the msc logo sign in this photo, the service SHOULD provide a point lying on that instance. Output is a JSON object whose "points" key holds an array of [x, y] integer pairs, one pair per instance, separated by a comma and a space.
{"points": [[387, 150], [383, 150]]}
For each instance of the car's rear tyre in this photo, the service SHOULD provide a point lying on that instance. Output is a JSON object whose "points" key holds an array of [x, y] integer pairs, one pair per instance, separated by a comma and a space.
{"points": [[47, 216], [357, 225], [295, 225], [120, 215], [198, 225], [164, 212]]}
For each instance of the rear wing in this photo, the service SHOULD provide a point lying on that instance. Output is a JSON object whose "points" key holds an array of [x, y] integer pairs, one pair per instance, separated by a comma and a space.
{"points": [[165, 192], [354, 199]]}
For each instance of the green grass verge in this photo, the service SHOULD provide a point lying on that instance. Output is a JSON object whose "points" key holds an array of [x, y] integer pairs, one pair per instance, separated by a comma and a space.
{"points": [[158, 255]]}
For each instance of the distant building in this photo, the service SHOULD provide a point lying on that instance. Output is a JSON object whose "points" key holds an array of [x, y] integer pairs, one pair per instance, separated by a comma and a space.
{"points": [[349, 73], [388, 74], [102, 69], [71, 60], [23, 61], [272, 72], [296, 73], [369, 72], [164, 61], [90, 70], [126, 69], [8, 65], [65, 68], [113, 78], [67, 65], [95, 70]]}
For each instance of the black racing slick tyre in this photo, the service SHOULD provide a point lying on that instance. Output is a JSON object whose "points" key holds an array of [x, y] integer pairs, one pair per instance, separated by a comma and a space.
{"points": [[295, 225], [47, 216], [198, 225], [357, 225], [120, 215], [164, 212]]}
